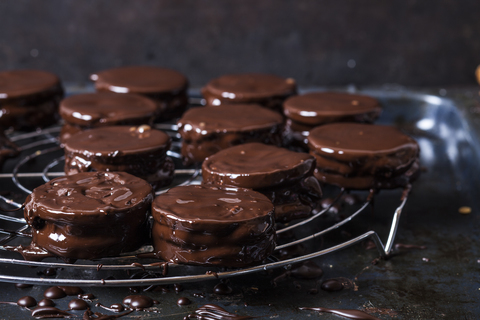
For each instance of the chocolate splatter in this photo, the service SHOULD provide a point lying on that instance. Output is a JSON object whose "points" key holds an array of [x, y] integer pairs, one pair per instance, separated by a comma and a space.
{"points": [[332, 285], [78, 304], [214, 312], [27, 302], [183, 301], [54, 293]]}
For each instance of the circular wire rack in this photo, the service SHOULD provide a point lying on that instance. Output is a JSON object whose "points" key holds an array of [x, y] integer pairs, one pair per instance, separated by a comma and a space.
{"points": [[42, 159]]}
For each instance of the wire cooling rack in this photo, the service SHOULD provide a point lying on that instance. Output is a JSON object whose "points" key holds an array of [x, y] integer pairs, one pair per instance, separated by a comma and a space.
{"points": [[42, 159]]}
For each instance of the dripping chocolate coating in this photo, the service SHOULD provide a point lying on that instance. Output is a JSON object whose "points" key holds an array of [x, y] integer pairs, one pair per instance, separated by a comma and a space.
{"points": [[167, 87], [207, 130], [305, 112], [89, 215], [140, 151], [29, 98], [362, 156], [85, 111], [265, 89], [213, 225], [284, 176]]}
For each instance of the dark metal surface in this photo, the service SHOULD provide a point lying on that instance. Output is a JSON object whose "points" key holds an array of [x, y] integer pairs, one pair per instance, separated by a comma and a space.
{"points": [[438, 282]]}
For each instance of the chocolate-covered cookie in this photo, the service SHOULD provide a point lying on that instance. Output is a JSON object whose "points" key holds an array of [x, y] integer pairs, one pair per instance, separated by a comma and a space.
{"points": [[29, 99], [167, 87], [89, 110], [89, 215], [213, 226], [264, 89], [284, 176], [207, 130], [363, 156], [305, 112], [140, 151]]}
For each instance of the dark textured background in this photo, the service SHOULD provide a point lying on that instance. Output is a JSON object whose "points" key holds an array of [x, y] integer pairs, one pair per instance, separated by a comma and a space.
{"points": [[413, 43]]}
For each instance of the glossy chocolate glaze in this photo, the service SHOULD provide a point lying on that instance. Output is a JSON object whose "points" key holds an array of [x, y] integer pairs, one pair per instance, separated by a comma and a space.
{"points": [[89, 215], [29, 98], [317, 108], [284, 176], [362, 156], [140, 151], [347, 313], [214, 312], [207, 130], [7, 148], [265, 89], [213, 225], [89, 110], [167, 87]]}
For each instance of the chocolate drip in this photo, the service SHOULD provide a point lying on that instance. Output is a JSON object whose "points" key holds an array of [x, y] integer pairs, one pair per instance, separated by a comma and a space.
{"points": [[138, 301], [214, 312], [50, 312], [116, 307], [331, 285], [86, 296], [351, 314], [46, 303], [54, 293], [222, 288], [27, 302], [183, 301], [78, 304]]}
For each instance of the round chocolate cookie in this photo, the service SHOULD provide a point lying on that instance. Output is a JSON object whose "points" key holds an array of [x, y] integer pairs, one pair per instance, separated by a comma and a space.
{"points": [[167, 87], [265, 89], [29, 99], [89, 215], [140, 151], [304, 112], [284, 176], [89, 110], [213, 226], [363, 156], [207, 130]]}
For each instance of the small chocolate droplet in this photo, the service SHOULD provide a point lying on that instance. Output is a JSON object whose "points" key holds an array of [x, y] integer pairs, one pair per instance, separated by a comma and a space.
{"points": [[183, 301], [331, 285], [27, 302], [78, 304]]}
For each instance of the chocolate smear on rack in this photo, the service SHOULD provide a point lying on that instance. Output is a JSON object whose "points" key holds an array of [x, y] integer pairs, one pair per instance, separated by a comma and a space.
{"points": [[138, 302], [54, 293], [214, 312], [212, 273], [46, 303], [138, 265], [183, 301], [50, 312], [78, 304], [347, 313], [331, 285], [27, 302]]}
